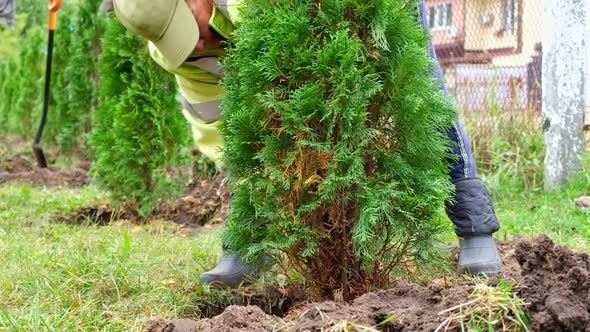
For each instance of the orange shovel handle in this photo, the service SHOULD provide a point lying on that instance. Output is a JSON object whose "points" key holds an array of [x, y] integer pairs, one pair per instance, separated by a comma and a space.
{"points": [[54, 6]]}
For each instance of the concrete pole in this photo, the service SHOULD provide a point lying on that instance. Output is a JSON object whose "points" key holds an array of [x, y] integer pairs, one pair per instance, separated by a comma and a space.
{"points": [[563, 88]]}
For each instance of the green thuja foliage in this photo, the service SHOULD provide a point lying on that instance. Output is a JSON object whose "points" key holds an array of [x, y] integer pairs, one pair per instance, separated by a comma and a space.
{"points": [[36, 11], [11, 38], [8, 86], [138, 128], [335, 138], [81, 75], [3, 70], [24, 116], [8, 68], [73, 97]]}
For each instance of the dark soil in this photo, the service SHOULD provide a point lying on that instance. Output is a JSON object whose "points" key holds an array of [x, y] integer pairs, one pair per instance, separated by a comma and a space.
{"points": [[23, 169], [204, 202], [557, 286], [202, 206], [100, 214], [553, 280], [274, 300]]}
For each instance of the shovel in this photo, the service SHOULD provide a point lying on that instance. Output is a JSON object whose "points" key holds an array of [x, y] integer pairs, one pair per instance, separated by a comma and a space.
{"points": [[54, 6]]}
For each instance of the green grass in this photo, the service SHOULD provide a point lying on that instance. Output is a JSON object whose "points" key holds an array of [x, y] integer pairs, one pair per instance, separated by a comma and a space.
{"points": [[59, 277], [532, 213]]}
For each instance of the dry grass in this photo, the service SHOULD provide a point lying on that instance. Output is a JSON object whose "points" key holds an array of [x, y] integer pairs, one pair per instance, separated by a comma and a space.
{"points": [[491, 308], [508, 144]]}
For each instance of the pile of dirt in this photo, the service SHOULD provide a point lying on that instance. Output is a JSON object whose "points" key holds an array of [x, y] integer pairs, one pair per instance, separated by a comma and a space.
{"points": [[556, 283], [205, 201], [24, 170], [413, 307], [203, 205], [234, 319], [553, 280]]}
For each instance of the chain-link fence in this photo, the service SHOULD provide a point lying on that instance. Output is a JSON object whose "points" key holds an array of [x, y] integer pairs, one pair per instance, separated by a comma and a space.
{"points": [[490, 51]]}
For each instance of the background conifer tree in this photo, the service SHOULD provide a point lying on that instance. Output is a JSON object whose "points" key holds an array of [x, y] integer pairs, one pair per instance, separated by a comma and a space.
{"points": [[335, 136], [138, 128], [82, 77], [74, 78], [10, 39], [7, 90], [25, 110]]}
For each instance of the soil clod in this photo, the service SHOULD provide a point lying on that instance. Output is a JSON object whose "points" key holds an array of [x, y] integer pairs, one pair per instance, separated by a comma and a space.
{"points": [[241, 319], [556, 283], [583, 202]]}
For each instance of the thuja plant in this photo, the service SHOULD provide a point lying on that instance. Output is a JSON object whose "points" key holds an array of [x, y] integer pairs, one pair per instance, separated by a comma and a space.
{"points": [[335, 140], [27, 100], [138, 127], [7, 91], [82, 75]]}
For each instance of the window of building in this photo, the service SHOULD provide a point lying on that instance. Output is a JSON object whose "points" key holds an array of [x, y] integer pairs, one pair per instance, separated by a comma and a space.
{"points": [[440, 16], [509, 15]]}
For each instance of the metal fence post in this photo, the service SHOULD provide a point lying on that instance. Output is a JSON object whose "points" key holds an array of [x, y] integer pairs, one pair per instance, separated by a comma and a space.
{"points": [[563, 88]]}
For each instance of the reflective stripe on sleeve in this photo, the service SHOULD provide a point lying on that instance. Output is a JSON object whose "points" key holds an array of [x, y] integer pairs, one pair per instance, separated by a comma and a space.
{"points": [[210, 64], [222, 6], [208, 112]]}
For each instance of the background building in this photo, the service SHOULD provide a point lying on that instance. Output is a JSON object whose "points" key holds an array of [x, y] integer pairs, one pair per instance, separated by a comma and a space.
{"points": [[490, 51]]}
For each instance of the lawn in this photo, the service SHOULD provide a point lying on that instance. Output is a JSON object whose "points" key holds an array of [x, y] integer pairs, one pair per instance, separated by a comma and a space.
{"points": [[62, 277]]}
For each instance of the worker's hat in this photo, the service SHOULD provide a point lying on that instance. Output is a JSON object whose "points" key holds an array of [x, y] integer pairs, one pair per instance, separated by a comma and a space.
{"points": [[169, 24]]}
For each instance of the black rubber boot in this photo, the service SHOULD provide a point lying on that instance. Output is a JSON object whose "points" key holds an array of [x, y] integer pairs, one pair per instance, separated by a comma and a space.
{"points": [[478, 255], [230, 272], [473, 215]]}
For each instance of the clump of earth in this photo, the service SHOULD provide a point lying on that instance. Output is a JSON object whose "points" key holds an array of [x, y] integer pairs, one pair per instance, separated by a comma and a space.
{"points": [[552, 280]]}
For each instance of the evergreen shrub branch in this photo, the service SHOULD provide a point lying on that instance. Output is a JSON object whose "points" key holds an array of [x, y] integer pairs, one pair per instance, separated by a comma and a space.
{"points": [[335, 138], [139, 130]]}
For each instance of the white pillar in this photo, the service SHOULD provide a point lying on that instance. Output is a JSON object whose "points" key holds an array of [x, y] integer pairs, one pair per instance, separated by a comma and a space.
{"points": [[563, 88]]}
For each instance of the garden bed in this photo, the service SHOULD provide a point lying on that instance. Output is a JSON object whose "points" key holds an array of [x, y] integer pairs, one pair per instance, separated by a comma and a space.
{"points": [[22, 168], [552, 280], [204, 201]]}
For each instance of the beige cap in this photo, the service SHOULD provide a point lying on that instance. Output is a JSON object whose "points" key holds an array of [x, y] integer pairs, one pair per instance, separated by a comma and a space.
{"points": [[169, 24]]}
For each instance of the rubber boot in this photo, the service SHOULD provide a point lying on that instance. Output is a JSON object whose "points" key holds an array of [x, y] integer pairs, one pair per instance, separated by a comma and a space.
{"points": [[478, 255], [473, 215], [230, 272]]}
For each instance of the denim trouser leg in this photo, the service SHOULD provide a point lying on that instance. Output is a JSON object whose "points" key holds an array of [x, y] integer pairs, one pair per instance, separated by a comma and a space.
{"points": [[471, 209]]}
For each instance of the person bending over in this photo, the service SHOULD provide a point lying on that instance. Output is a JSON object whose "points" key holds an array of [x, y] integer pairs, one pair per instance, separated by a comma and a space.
{"points": [[187, 38]]}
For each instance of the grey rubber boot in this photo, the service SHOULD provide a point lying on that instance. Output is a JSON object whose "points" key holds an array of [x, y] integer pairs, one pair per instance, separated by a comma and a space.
{"points": [[230, 272], [473, 215], [478, 255]]}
